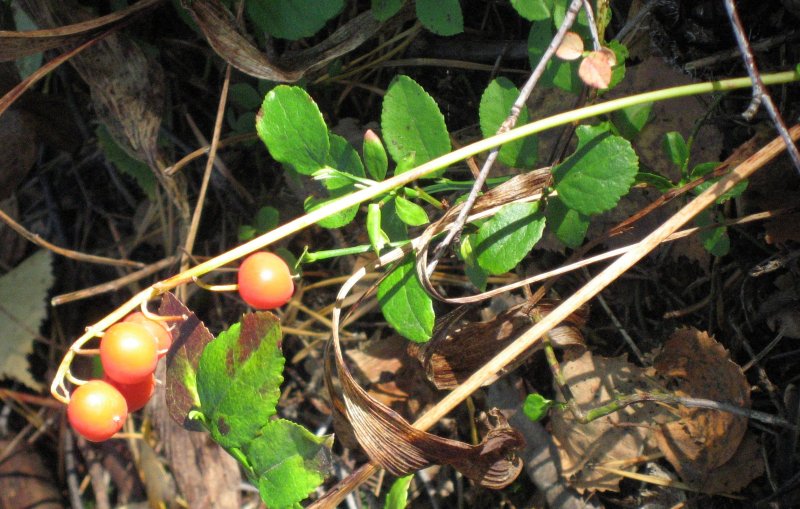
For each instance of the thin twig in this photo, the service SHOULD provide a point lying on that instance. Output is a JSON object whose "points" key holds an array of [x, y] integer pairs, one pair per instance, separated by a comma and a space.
{"points": [[68, 253], [760, 93], [510, 122]]}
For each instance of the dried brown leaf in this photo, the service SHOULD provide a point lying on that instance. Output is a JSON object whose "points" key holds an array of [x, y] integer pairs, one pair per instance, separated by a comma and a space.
{"points": [[595, 69], [571, 47], [594, 381], [14, 45], [220, 29], [454, 353], [701, 440], [393, 443]]}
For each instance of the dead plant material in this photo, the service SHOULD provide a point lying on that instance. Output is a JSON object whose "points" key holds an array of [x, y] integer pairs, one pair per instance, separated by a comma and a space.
{"points": [[220, 29], [622, 435], [454, 353], [14, 45], [393, 443], [701, 440]]}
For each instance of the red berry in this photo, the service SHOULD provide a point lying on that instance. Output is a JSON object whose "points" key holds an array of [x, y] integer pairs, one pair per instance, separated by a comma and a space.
{"points": [[128, 352], [136, 395], [265, 281], [97, 410], [158, 329]]}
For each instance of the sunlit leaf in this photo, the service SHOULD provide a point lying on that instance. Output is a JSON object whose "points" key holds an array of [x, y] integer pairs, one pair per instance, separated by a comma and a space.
{"points": [[536, 406], [504, 240], [496, 103], [405, 304]]}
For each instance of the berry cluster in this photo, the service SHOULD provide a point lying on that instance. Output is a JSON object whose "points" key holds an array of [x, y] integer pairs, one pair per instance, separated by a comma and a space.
{"points": [[129, 351]]}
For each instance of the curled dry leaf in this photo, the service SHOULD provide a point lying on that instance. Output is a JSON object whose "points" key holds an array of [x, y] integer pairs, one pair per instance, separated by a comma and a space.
{"points": [[622, 435], [571, 47], [394, 444], [220, 29], [701, 440], [595, 69], [14, 45], [455, 353]]}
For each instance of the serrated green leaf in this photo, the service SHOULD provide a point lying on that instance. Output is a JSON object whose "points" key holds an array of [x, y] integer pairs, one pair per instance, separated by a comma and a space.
{"points": [[631, 120], [375, 158], [599, 172], [405, 304], [410, 213], [291, 126], [676, 149], [505, 239], [288, 462], [397, 498], [715, 240], [126, 164], [239, 379], [533, 10], [23, 307], [412, 124], [377, 237], [536, 406], [385, 9], [292, 19], [442, 17], [570, 226], [496, 103], [476, 275]]}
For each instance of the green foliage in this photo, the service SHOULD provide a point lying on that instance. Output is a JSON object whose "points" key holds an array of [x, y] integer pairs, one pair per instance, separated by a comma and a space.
{"points": [[238, 382], [715, 240], [291, 126], [505, 239], [496, 103], [405, 304], [676, 149], [385, 9], [599, 172], [139, 171], [377, 237], [559, 73], [442, 17], [473, 270], [266, 219], [410, 213], [569, 225], [412, 124], [631, 120], [375, 158], [292, 19], [536, 406], [397, 498], [534, 10]]}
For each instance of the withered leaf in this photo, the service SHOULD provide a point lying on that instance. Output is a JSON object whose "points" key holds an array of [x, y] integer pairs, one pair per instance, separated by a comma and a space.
{"points": [[454, 353], [189, 337], [14, 45], [595, 69], [622, 435], [220, 29], [701, 440], [394, 444], [571, 47]]}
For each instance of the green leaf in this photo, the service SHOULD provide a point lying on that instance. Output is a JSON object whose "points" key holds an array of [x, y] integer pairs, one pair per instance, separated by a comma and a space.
{"points": [[676, 149], [139, 171], [536, 406], [377, 237], [599, 172], [474, 272], [442, 17], [618, 71], [505, 239], [343, 157], [337, 220], [385, 9], [245, 96], [412, 124], [239, 379], [631, 120], [291, 126], [266, 219], [496, 103], [23, 307], [391, 223], [292, 19], [715, 240], [569, 225], [410, 213], [397, 498], [288, 462], [534, 10], [660, 182], [404, 303], [374, 156], [703, 169]]}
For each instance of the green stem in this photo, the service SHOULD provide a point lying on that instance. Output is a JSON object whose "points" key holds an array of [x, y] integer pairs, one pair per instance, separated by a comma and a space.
{"points": [[315, 256]]}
